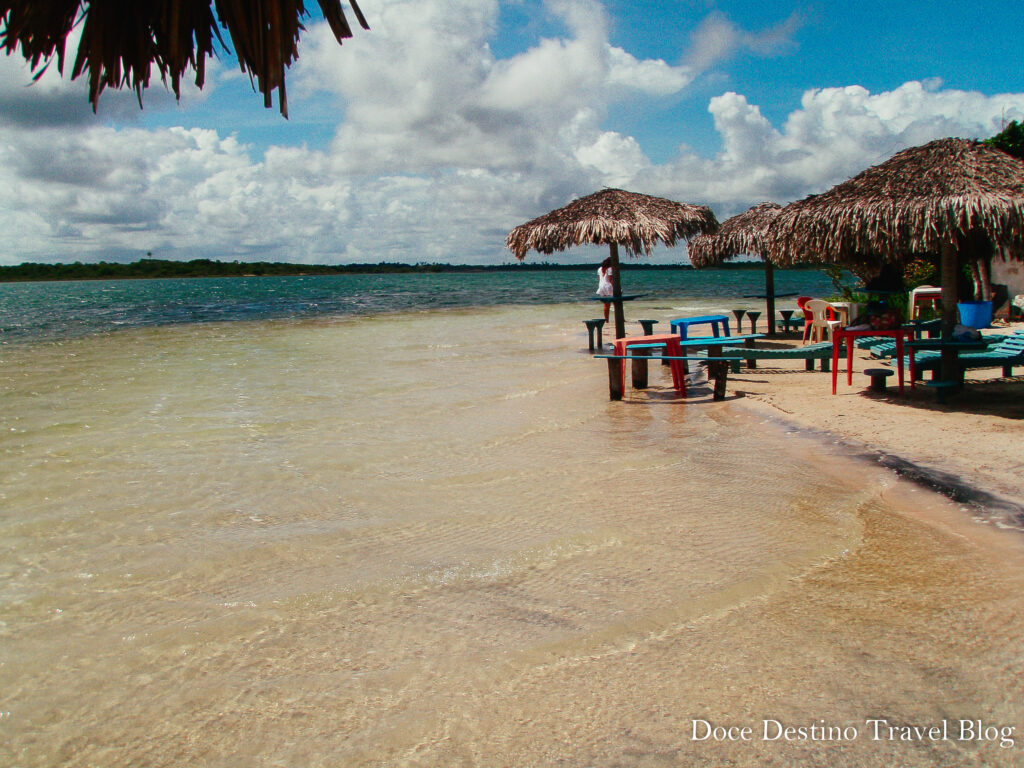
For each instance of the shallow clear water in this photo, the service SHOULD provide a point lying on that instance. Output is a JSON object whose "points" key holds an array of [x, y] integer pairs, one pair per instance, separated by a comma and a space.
{"points": [[56, 310], [430, 539]]}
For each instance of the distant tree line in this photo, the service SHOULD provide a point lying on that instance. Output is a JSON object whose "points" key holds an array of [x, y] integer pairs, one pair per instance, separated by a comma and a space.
{"points": [[161, 268]]}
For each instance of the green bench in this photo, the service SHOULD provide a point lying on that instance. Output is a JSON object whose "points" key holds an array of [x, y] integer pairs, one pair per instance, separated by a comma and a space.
{"points": [[1006, 354], [809, 354]]}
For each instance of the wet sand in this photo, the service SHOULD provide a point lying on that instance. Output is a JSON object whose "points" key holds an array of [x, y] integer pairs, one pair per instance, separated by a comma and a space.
{"points": [[971, 449]]}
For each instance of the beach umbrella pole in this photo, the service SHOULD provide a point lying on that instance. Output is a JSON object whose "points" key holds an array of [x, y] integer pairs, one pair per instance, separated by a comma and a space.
{"points": [[620, 321], [948, 364], [769, 290]]}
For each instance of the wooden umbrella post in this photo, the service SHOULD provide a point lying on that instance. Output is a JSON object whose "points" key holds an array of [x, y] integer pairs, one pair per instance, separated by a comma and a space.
{"points": [[620, 320], [769, 289], [948, 362]]}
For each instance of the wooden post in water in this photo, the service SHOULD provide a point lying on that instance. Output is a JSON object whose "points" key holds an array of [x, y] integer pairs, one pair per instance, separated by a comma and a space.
{"points": [[614, 379], [719, 371], [640, 370]]}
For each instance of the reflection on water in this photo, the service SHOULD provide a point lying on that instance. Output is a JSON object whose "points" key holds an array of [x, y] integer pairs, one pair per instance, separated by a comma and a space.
{"points": [[432, 540]]}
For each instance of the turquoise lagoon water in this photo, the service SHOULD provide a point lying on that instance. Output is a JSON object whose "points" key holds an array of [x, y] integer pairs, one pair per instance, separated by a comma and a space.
{"points": [[63, 309]]}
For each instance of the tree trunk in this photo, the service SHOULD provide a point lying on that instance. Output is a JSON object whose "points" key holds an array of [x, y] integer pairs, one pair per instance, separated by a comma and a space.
{"points": [[985, 272], [976, 277]]}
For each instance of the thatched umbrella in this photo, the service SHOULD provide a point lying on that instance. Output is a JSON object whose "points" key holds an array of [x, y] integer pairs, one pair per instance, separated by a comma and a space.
{"points": [[613, 217], [742, 234], [929, 199], [122, 41]]}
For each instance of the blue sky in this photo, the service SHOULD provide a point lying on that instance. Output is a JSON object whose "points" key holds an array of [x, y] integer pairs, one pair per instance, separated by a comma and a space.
{"points": [[450, 121]]}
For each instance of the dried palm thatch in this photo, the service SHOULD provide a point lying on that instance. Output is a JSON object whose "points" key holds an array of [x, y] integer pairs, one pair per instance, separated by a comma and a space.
{"points": [[915, 202], [122, 40], [935, 198], [742, 234], [634, 221], [612, 217]]}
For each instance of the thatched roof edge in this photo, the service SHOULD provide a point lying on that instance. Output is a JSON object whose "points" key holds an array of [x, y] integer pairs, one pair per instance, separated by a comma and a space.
{"points": [[743, 234], [636, 222], [122, 42], [909, 204]]}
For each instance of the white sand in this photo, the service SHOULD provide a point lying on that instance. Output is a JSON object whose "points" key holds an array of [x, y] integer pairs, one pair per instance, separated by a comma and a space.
{"points": [[977, 438]]}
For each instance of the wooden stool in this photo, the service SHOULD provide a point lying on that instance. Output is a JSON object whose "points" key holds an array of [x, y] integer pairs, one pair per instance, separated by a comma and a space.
{"points": [[648, 326], [752, 316], [878, 377], [591, 325], [739, 313], [942, 389]]}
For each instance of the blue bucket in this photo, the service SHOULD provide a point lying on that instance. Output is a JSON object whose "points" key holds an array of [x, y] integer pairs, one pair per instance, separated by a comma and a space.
{"points": [[976, 314]]}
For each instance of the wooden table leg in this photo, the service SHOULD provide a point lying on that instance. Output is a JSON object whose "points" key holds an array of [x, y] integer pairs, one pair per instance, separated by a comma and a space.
{"points": [[836, 341], [640, 370], [615, 379], [719, 371], [899, 360]]}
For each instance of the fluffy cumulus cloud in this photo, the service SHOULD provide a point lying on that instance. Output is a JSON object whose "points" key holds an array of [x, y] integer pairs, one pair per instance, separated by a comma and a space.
{"points": [[836, 133], [440, 146]]}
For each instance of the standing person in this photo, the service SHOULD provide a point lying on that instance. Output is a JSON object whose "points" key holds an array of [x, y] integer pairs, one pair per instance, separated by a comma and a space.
{"points": [[604, 283]]}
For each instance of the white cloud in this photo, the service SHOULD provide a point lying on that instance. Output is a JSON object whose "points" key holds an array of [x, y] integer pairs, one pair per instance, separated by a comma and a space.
{"points": [[837, 132], [420, 103], [650, 76], [441, 146], [718, 39]]}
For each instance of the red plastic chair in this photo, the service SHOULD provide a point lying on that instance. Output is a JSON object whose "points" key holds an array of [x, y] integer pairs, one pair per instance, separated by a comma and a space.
{"points": [[808, 315], [830, 314]]}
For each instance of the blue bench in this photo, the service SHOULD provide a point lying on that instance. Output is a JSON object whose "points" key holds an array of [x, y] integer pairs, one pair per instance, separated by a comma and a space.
{"points": [[697, 342]]}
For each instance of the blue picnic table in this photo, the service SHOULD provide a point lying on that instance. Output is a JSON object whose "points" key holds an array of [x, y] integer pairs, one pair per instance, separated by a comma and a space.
{"points": [[682, 324]]}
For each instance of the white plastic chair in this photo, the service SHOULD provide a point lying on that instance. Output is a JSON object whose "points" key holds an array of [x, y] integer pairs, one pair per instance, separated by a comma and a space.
{"points": [[924, 294], [824, 317]]}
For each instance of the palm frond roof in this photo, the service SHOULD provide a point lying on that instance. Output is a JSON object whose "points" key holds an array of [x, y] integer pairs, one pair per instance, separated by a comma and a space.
{"points": [[634, 221]]}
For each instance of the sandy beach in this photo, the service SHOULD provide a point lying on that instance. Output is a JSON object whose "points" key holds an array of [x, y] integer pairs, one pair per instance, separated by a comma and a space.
{"points": [[971, 447]]}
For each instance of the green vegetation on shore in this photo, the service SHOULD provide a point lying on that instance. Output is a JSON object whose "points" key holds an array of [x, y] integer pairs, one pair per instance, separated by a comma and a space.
{"points": [[161, 268]]}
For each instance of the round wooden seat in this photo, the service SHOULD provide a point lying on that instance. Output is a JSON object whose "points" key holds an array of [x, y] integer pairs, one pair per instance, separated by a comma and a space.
{"points": [[878, 377]]}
